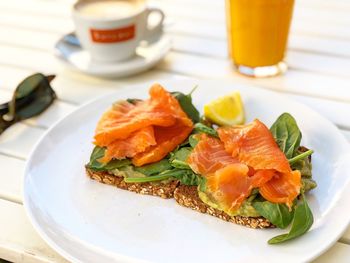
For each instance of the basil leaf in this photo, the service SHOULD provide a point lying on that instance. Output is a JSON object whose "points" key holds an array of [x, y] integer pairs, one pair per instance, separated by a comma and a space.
{"points": [[99, 152], [302, 222], [287, 134], [277, 214], [187, 106], [200, 127], [154, 168]]}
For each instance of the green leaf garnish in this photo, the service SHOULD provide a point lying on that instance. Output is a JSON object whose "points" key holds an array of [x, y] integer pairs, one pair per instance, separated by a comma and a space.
{"points": [[307, 184], [186, 104], [200, 127], [99, 152], [192, 140], [277, 214], [300, 156], [287, 134], [302, 222], [154, 168], [179, 156]]}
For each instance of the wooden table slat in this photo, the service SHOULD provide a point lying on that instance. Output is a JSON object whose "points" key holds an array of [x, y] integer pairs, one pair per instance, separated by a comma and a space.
{"points": [[18, 240], [19, 139], [339, 253], [11, 178]]}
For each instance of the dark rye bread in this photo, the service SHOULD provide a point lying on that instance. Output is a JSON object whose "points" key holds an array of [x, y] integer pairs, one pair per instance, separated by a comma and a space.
{"points": [[187, 196], [163, 190]]}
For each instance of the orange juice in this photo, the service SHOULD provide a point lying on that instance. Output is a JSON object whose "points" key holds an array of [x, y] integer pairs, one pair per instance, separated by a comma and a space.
{"points": [[258, 31]]}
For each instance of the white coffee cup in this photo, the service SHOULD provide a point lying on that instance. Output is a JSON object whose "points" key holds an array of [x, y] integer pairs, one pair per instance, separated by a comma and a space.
{"points": [[111, 30]]}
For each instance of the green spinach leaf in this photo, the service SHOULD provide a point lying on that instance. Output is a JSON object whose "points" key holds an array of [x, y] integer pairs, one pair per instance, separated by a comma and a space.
{"points": [[200, 127], [154, 168], [186, 104], [302, 222], [146, 179], [287, 134], [115, 164], [192, 140], [178, 158], [99, 152], [277, 214], [300, 156], [188, 177]]}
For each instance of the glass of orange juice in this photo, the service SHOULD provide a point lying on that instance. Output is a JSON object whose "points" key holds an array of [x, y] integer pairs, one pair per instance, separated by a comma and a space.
{"points": [[257, 33]]}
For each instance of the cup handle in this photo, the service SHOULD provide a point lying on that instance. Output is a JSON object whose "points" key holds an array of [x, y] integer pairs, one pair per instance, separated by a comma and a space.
{"points": [[155, 31]]}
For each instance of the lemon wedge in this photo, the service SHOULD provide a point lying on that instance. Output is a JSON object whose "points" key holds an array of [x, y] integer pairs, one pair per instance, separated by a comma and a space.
{"points": [[226, 110]]}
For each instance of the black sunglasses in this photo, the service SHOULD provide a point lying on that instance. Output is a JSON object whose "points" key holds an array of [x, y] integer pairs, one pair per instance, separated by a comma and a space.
{"points": [[31, 97]]}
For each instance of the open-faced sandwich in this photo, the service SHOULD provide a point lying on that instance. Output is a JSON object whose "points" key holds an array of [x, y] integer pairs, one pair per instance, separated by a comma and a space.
{"points": [[246, 174]]}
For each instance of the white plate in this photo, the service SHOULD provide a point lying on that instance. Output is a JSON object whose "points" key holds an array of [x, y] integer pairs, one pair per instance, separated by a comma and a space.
{"points": [[88, 221], [78, 59]]}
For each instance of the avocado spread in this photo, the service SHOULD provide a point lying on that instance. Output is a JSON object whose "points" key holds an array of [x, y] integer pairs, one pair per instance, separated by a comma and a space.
{"points": [[246, 208]]}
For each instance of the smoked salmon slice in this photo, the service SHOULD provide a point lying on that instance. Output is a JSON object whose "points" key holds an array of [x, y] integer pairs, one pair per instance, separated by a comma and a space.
{"points": [[230, 186], [254, 145], [167, 139], [209, 155], [145, 131], [282, 188], [125, 118], [245, 157], [140, 140]]}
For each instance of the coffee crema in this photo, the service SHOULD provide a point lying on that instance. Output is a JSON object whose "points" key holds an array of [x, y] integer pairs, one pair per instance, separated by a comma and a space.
{"points": [[109, 9]]}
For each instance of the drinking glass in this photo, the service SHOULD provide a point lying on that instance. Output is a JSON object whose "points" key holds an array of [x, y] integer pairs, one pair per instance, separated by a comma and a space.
{"points": [[257, 33]]}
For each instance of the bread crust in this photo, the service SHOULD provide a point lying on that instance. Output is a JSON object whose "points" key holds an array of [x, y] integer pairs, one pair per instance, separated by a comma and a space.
{"points": [[187, 196], [163, 190], [184, 195]]}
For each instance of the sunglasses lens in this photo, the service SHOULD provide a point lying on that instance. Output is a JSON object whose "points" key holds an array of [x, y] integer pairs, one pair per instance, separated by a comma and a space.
{"points": [[28, 85], [34, 96]]}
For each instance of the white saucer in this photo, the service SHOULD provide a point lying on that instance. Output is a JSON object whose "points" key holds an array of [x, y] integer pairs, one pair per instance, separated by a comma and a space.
{"points": [[68, 50]]}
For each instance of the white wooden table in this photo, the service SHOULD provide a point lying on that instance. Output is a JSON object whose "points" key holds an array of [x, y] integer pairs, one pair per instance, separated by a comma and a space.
{"points": [[319, 76]]}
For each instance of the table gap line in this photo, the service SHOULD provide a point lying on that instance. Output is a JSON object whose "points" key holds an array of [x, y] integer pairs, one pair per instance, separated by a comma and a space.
{"points": [[12, 155], [198, 55], [326, 54], [301, 33], [301, 50], [294, 68], [10, 199], [18, 66], [187, 17], [256, 85], [211, 20], [343, 241]]}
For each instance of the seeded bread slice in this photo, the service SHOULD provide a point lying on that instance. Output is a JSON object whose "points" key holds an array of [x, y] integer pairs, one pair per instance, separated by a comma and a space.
{"points": [[163, 190], [187, 196]]}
